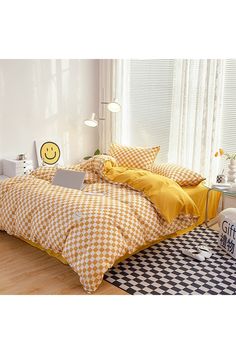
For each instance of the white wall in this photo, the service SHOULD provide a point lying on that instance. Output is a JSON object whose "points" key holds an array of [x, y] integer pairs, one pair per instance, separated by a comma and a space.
{"points": [[48, 99]]}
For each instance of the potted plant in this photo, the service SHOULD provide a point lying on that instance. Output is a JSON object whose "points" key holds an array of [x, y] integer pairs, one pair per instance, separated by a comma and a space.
{"points": [[97, 152]]}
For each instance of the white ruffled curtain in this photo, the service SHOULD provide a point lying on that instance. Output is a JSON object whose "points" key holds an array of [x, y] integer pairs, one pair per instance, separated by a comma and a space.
{"points": [[196, 115], [110, 87]]}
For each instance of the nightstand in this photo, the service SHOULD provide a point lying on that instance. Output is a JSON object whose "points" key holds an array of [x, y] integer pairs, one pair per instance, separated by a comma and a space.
{"points": [[224, 192], [12, 168]]}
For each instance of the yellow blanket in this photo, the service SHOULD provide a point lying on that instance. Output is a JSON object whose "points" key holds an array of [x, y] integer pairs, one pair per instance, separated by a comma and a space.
{"points": [[167, 196]]}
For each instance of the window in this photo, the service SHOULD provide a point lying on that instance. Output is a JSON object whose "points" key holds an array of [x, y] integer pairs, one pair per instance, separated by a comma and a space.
{"points": [[147, 103], [147, 95], [228, 130]]}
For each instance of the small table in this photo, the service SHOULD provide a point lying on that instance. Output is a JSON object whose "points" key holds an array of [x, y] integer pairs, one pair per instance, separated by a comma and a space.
{"points": [[225, 192]]}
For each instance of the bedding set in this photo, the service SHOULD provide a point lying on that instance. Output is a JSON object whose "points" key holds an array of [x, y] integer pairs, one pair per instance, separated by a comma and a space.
{"points": [[122, 208]]}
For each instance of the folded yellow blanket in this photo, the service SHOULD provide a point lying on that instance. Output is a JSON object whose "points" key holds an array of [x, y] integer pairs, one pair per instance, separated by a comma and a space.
{"points": [[167, 196]]}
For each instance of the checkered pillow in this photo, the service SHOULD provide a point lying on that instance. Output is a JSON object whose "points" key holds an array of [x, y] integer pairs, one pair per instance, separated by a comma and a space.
{"points": [[47, 173], [96, 163], [183, 176], [136, 157]]}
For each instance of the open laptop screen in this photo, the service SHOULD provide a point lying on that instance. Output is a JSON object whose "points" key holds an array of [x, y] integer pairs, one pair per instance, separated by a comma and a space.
{"points": [[69, 179]]}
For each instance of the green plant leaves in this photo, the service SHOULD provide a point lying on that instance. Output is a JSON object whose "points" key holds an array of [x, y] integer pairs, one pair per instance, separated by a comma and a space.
{"points": [[97, 152]]}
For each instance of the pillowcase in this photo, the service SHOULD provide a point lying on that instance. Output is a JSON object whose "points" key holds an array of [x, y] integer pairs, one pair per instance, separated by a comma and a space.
{"points": [[135, 157], [97, 163], [182, 175], [93, 167], [46, 173]]}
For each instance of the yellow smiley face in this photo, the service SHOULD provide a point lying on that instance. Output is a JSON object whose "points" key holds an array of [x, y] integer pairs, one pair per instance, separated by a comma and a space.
{"points": [[50, 153]]}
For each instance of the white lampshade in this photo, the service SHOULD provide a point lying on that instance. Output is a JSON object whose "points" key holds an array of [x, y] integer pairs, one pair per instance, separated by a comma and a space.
{"points": [[114, 107], [92, 122]]}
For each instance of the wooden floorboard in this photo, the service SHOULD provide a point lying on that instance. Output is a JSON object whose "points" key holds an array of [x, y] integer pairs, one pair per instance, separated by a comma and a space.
{"points": [[25, 270]]}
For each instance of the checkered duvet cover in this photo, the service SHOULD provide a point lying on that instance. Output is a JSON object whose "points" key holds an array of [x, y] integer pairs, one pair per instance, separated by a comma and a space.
{"points": [[91, 228]]}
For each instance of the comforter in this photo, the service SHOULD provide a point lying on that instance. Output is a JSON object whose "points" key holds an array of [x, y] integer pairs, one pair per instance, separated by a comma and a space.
{"points": [[94, 227]]}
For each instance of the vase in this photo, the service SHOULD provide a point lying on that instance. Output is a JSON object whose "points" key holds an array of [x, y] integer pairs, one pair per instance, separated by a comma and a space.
{"points": [[220, 179], [232, 171]]}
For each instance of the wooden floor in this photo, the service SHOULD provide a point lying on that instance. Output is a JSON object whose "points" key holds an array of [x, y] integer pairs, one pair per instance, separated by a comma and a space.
{"points": [[26, 270]]}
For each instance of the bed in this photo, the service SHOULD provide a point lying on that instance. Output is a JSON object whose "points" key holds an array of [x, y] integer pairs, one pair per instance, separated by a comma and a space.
{"points": [[113, 217]]}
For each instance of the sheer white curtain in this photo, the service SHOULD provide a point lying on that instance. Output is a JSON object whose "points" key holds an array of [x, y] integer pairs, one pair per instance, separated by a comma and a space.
{"points": [[110, 87], [196, 114]]}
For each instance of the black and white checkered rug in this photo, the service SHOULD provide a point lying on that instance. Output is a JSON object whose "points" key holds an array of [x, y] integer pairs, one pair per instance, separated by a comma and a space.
{"points": [[163, 270]]}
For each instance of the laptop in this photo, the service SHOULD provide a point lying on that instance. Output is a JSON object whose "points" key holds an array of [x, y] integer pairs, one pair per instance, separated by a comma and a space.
{"points": [[69, 179]]}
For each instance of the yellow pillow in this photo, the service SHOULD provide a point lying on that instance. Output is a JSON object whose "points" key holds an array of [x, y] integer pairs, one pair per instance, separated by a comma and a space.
{"points": [[183, 176], [135, 157]]}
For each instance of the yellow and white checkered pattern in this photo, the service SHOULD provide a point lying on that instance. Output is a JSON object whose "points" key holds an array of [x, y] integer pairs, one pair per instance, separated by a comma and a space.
{"points": [[136, 157], [183, 176], [47, 173], [91, 231]]}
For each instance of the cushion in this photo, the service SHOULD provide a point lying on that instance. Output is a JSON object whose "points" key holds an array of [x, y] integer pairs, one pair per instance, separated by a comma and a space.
{"points": [[97, 163], [93, 167], [45, 173], [135, 157], [183, 176]]}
